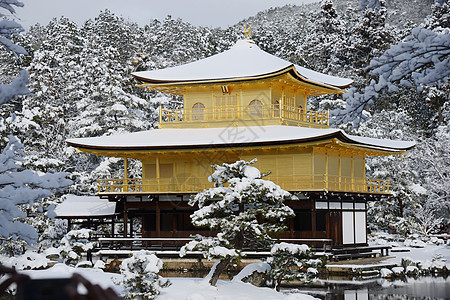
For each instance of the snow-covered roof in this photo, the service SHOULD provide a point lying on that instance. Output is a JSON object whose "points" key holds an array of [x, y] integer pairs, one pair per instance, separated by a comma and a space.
{"points": [[85, 206], [245, 60], [189, 138]]}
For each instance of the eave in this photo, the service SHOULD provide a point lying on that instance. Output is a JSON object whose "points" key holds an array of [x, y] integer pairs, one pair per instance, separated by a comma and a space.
{"points": [[289, 73]]}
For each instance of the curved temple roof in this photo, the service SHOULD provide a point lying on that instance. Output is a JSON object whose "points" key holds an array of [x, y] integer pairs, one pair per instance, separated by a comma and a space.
{"points": [[244, 60], [191, 138], [84, 207]]}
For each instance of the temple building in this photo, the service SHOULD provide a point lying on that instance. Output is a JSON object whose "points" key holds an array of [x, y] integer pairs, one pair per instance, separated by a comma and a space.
{"points": [[245, 103]]}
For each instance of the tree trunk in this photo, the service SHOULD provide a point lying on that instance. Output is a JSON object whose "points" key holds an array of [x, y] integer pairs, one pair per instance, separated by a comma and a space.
{"points": [[222, 265]]}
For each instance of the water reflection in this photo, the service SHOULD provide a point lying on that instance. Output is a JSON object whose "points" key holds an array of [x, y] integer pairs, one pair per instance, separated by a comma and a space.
{"points": [[409, 288]]}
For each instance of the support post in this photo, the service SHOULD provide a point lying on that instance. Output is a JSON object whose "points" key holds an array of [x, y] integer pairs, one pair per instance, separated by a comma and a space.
{"points": [[131, 226], [326, 171], [157, 173], [125, 173], [158, 219], [112, 226], [125, 220]]}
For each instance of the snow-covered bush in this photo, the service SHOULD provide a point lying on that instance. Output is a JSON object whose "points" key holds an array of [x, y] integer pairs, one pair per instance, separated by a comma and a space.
{"points": [[255, 274], [243, 208], [289, 262], [28, 261], [140, 279], [386, 273], [75, 243]]}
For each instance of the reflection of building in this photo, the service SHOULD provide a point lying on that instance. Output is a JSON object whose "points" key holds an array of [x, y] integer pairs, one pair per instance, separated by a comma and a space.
{"points": [[242, 104]]}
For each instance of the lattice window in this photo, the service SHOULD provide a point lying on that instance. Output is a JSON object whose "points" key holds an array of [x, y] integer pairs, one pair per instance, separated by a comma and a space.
{"points": [[255, 108], [226, 106], [198, 111]]}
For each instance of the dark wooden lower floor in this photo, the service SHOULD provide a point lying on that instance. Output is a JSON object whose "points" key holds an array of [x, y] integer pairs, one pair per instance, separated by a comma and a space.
{"points": [[340, 217]]}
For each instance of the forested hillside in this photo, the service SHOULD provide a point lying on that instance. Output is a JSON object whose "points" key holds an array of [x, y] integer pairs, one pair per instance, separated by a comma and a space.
{"points": [[81, 86]]}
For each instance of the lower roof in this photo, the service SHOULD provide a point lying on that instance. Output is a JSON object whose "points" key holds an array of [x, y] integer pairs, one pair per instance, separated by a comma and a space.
{"points": [[191, 138], [85, 207]]}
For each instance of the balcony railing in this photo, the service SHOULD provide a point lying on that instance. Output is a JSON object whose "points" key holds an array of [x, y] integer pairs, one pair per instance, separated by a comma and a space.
{"points": [[289, 183], [282, 113]]}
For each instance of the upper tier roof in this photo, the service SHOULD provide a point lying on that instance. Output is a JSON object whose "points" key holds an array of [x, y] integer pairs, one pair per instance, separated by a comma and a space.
{"points": [[191, 138], [245, 60]]}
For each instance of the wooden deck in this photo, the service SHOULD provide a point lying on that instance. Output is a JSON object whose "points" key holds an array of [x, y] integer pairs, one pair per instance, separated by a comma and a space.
{"points": [[359, 252], [169, 247]]}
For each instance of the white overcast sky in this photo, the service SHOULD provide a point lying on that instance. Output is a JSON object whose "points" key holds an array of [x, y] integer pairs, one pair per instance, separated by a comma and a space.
{"points": [[210, 13]]}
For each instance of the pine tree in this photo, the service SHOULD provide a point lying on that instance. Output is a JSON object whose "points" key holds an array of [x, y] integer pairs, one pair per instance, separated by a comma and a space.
{"points": [[8, 29], [245, 210], [21, 187]]}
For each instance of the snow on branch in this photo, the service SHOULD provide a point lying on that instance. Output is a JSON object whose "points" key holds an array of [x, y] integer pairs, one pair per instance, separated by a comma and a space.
{"points": [[421, 59], [16, 88], [8, 29], [22, 187], [8, 5]]}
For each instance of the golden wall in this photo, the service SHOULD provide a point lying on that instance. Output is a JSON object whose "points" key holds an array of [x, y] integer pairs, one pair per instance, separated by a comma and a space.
{"points": [[312, 168]]}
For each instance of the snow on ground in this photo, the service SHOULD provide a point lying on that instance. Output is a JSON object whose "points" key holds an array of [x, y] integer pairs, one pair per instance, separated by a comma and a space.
{"points": [[199, 289], [181, 288], [416, 249], [421, 254], [95, 276]]}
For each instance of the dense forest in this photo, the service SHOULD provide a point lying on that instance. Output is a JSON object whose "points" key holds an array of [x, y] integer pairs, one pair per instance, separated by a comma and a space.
{"points": [[397, 53]]}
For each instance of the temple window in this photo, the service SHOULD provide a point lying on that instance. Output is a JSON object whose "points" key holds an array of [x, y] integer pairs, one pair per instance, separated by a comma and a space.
{"points": [[276, 109], [198, 111], [255, 108], [225, 106]]}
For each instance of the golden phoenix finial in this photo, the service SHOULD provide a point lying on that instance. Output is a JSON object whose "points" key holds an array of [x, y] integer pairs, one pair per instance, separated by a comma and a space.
{"points": [[247, 32]]}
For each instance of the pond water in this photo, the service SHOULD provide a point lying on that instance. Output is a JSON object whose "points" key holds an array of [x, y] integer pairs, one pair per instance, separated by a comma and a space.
{"points": [[408, 288]]}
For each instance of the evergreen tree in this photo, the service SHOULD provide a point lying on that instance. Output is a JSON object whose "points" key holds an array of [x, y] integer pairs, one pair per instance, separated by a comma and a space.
{"points": [[246, 211], [8, 29], [21, 187]]}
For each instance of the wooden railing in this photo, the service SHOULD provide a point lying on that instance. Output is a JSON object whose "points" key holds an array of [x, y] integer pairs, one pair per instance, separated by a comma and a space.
{"points": [[289, 183], [295, 115], [175, 244]]}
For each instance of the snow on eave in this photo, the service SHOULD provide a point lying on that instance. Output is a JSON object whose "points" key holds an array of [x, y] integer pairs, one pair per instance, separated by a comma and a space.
{"points": [[209, 80], [243, 61], [291, 70], [84, 207], [381, 143], [208, 138]]}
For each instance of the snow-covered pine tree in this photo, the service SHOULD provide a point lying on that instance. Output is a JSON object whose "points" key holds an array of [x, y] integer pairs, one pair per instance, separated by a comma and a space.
{"points": [[8, 29], [421, 59], [246, 211], [289, 262], [140, 276], [21, 187]]}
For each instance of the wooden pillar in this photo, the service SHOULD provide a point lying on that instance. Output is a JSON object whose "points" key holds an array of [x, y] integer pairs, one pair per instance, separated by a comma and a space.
{"points": [[291, 228], [125, 220], [352, 173], [112, 226], [339, 172], [131, 226], [157, 173], [69, 225], [313, 225], [125, 173], [326, 170], [174, 223], [158, 219]]}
